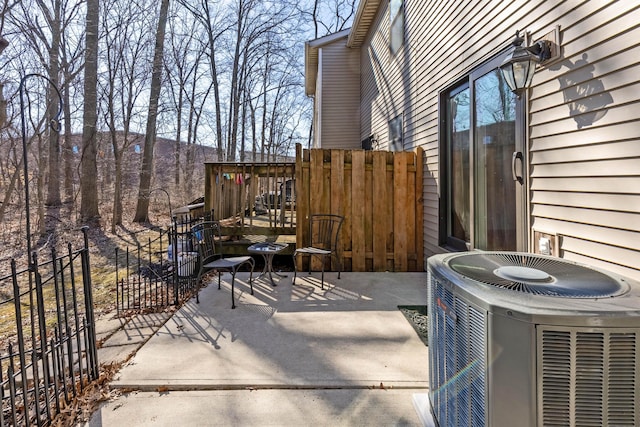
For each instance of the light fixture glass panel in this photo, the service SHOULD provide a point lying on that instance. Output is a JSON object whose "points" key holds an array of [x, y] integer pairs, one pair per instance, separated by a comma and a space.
{"points": [[520, 73], [507, 73]]}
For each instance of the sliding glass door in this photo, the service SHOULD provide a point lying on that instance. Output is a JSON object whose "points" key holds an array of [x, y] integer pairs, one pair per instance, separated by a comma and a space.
{"points": [[484, 168]]}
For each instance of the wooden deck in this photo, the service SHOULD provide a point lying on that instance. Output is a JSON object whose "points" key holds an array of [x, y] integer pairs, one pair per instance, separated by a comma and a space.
{"points": [[257, 229]]}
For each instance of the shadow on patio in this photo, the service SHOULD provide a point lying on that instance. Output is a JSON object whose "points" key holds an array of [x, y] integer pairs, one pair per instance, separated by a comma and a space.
{"points": [[351, 336]]}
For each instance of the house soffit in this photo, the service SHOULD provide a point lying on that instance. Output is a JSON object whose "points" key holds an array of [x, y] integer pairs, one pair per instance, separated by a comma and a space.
{"points": [[365, 15]]}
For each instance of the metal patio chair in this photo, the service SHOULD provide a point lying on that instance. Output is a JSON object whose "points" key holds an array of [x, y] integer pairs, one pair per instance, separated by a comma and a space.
{"points": [[325, 232], [207, 237]]}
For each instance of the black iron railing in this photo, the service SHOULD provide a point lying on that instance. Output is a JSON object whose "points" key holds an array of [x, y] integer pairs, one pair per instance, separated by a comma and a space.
{"points": [[159, 274], [51, 356]]}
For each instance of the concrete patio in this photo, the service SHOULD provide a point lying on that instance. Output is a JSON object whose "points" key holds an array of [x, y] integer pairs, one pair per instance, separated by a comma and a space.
{"points": [[287, 355]]}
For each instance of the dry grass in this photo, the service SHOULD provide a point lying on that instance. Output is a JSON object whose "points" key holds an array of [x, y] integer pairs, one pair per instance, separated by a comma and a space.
{"points": [[102, 248]]}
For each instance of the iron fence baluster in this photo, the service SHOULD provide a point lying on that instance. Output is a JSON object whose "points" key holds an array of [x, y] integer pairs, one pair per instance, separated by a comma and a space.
{"points": [[117, 284], [32, 305], [66, 372], [162, 272], [65, 312], [65, 333], [137, 303], [55, 358], [128, 276], [19, 329], [2, 385], [12, 393], [88, 295], [56, 288], [120, 301], [174, 256], [149, 296], [72, 372], [85, 341], [43, 336], [36, 386], [76, 318]]}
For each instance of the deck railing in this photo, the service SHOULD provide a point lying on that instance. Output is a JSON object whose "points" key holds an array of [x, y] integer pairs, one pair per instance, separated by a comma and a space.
{"points": [[252, 198]]}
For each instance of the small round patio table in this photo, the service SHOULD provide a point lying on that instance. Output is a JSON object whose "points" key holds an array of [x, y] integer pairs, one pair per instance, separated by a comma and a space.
{"points": [[267, 250]]}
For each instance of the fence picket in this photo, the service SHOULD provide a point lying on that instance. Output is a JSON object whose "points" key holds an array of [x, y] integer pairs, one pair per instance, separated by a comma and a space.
{"points": [[358, 248], [379, 194], [380, 202]]}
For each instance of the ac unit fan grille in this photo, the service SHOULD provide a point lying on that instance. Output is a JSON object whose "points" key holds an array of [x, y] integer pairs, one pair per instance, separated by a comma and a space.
{"points": [[457, 346], [589, 377], [533, 274]]}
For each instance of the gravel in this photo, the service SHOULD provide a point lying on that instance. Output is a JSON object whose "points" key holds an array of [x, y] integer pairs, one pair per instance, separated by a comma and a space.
{"points": [[417, 317]]}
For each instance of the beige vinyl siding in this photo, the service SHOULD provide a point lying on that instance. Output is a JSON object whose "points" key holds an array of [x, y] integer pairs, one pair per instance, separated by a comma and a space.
{"points": [[340, 90], [585, 139], [584, 178], [441, 46]]}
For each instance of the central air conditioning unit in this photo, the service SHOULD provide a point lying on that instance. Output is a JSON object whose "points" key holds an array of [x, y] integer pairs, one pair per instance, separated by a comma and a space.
{"points": [[517, 339]]}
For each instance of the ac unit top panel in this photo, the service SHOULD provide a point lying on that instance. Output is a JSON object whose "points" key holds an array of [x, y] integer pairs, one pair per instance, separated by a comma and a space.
{"points": [[533, 274], [536, 287]]}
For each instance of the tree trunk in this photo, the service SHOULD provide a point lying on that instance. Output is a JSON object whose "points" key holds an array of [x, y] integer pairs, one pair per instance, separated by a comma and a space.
{"points": [[117, 193], [178, 138], [10, 188], [67, 150], [146, 170], [254, 134], [263, 131], [234, 99], [214, 77], [88, 183], [53, 187]]}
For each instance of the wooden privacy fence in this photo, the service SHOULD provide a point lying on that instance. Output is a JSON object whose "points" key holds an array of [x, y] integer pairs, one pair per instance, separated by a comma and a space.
{"points": [[379, 193]]}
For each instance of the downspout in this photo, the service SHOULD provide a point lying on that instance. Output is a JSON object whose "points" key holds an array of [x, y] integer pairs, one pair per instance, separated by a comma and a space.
{"points": [[318, 102]]}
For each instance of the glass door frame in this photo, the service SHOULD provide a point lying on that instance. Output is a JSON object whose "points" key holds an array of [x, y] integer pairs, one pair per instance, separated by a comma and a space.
{"points": [[520, 162]]}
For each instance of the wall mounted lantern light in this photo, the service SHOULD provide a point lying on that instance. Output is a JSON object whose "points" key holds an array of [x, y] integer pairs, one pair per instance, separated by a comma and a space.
{"points": [[520, 64]]}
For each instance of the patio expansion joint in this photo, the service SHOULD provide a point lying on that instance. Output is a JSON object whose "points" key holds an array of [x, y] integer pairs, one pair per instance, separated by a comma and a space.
{"points": [[166, 387]]}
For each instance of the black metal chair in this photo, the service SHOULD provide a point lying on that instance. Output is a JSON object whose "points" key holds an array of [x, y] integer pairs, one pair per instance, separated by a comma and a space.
{"points": [[207, 237], [325, 232]]}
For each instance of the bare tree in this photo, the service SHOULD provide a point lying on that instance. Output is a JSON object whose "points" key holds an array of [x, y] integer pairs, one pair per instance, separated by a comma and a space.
{"points": [[328, 16], [257, 25], [196, 102], [234, 81], [88, 183], [215, 24], [188, 88], [71, 65], [146, 170], [125, 57], [45, 41], [53, 19]]}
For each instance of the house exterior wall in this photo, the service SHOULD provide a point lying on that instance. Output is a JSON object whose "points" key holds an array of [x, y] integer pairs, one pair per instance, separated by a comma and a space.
{"points": [[338, 86], [317, 107], [583, 142]]}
